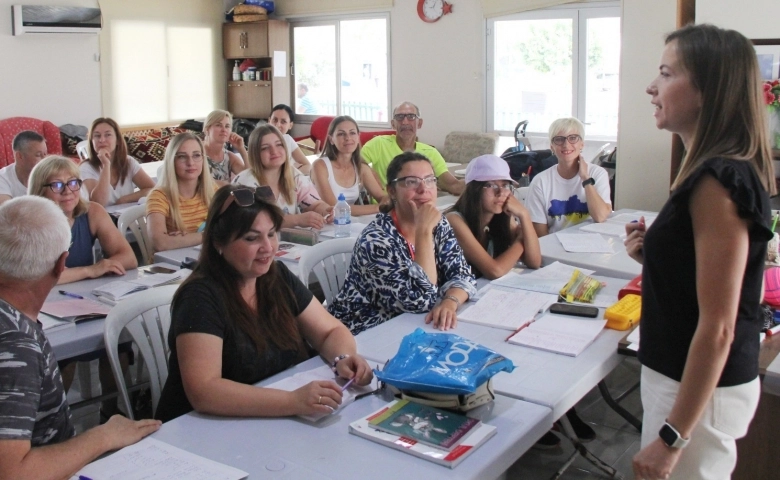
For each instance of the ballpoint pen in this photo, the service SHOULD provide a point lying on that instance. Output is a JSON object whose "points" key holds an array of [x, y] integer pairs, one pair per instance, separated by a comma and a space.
{"points": [[346, 385], [71, 295]]}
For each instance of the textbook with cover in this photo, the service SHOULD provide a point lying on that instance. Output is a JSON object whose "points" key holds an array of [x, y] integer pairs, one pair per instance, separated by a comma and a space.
{"points": [[479, 434], [433, 426]]}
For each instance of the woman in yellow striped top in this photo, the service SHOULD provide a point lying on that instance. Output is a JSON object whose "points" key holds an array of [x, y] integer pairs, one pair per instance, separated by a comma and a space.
{"points": [[177, 207]]}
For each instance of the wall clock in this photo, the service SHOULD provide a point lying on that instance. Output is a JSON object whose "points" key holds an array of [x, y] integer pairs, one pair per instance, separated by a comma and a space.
{"points": [[432, 10]]}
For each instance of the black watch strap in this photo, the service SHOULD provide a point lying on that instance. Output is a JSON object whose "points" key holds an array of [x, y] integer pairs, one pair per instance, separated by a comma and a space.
{"points": [[587, 182]]}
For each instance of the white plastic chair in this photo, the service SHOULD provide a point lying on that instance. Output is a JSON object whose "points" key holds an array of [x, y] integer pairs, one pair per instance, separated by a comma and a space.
{"points": [[522, 193], [134, 218], [329, 261], [147, 318], [82, 149]]}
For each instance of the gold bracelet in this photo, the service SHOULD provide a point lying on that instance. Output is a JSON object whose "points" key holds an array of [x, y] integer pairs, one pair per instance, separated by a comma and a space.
{"points": [[451, 297]]}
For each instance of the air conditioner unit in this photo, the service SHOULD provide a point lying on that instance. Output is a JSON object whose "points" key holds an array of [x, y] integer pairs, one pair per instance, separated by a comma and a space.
{"points": [[55, 19]]}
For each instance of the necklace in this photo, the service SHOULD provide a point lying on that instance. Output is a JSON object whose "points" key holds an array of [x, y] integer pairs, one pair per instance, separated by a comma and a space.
{"points": [[409, 245]]}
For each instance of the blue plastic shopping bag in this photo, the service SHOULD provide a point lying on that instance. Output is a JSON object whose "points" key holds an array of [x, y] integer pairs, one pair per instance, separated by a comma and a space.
{"points": [[442, 363]]}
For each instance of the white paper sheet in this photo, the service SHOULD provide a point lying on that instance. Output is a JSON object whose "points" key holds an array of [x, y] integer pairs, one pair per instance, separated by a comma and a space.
{"points": [[153, 459], [625, 218], [584, 243], [559, 334], [280, 63], [611, 229], [507, 309]]}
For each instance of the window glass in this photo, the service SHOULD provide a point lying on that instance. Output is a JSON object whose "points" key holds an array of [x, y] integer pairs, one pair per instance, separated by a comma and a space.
{"points": [[315, 69], [603, 64], [364, 69]]}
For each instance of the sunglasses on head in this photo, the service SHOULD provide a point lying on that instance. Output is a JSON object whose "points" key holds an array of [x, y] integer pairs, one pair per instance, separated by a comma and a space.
{"points": [[245, 197]]}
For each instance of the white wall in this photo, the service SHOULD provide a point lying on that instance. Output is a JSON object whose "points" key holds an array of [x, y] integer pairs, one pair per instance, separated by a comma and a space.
{"points": [[53, 77], [644, 152], [754, 19]]}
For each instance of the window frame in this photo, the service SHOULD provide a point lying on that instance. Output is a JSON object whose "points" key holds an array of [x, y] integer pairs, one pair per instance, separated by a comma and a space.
{"points": [[335, 22], [579, 13]]}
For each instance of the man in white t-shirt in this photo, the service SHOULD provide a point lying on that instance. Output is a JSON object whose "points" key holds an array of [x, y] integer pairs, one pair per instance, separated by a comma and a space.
{"points": [[29, 149], [572, 191]]}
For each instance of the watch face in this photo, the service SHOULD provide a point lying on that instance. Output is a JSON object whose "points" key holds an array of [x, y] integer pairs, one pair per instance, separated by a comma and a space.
{"points": [[668, 435]]}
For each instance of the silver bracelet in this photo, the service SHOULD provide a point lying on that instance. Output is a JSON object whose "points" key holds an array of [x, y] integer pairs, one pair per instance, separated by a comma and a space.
{"points": [[451, 297]]}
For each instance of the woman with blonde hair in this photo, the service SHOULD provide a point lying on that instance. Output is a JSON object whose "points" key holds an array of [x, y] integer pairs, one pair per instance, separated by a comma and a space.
{"points": [[341, 164], [293, 192], [703, 258], [111, 175], [223, 163], [177, 207], [57, 178]]}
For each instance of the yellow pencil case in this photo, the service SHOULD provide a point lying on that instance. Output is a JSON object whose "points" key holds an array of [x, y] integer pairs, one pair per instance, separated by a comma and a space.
{"points": [[625, 313]]}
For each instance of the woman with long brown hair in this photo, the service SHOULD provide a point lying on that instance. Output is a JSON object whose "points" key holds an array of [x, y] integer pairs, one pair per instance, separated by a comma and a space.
{"points": [[242, 317]]}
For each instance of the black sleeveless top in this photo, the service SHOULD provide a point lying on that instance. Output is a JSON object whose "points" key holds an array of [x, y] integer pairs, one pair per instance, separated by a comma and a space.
{"points": [[670, 310]]}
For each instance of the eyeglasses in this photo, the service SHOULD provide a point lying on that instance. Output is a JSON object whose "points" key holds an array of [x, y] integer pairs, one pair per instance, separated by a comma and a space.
{"points": [[399, 117], [245, 197], [59, 187], [561, 140], [414, 182], [499, 189]]}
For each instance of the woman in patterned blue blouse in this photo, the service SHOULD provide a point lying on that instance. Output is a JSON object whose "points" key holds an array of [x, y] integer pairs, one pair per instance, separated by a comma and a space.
{"points": [[407, 260]]}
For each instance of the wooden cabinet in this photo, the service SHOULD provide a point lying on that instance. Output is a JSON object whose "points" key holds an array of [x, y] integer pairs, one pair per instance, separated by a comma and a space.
{"points": [[260, 42]]}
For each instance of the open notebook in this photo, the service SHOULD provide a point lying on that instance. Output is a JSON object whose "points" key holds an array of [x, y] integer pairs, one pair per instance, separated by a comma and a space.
{"points": [[561, 334], [113, 292]]}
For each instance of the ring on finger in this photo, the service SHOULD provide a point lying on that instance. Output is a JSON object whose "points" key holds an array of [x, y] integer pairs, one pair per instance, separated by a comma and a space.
{"points": [[319, 400]]}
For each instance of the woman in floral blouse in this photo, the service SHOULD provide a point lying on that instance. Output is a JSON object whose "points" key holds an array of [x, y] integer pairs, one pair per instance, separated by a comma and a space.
{"points": [[407, 260]]}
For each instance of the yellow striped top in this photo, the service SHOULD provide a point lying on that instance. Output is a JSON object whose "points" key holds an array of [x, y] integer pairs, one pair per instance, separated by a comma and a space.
{"points": [[193, 210]]}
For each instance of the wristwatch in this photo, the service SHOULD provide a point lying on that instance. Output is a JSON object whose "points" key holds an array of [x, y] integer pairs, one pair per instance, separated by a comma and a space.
{"points": [[671, 437], [587, 182]]}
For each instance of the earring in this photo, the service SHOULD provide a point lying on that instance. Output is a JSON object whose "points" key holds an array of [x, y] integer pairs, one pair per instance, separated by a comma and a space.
{"points": [[219, 250]]}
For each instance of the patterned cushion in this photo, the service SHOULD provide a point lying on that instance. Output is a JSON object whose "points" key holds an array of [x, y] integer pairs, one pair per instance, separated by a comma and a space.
{"points": [[69, 145], [149, 145]]}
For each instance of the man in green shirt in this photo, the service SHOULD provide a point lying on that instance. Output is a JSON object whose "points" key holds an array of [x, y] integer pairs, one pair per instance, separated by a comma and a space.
{"points": [[379, 151]]}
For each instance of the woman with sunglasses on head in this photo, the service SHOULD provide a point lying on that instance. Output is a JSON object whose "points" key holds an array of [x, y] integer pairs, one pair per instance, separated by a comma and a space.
{"points": [[111, 175], [408, 259], [177, 207], [492, 227], [342, 164], [242, 317], [57, 178], [293, 191], [572, 191], [703, 258], [282, 118], [223, 163]]}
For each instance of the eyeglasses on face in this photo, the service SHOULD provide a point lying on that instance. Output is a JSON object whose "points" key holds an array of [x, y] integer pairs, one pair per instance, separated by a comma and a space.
{"points": [[245, 197], [58, 187], [399, 117], [415, 182], [499, 189], [571, 139]]}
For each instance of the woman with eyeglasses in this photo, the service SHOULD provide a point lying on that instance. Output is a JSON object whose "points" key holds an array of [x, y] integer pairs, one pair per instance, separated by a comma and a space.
{"points": [[492, 227], [293, 191], [177, 207], [242, 317], [111, 175], [408, 259], [57, 178], [342, 170], [223, 163], [572, 191]]}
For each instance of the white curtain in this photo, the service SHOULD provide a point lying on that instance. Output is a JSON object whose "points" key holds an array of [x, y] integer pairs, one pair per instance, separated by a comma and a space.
{"points": [[497, 8], [161, 62], [287, 8]]}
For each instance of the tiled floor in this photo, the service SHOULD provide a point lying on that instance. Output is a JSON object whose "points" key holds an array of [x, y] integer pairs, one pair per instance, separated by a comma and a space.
{"points": [[616, 440]]}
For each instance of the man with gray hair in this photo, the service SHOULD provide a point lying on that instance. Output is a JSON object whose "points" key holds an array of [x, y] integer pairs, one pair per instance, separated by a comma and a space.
{"points": [[29, 149], [380, 150], [36, 434]]}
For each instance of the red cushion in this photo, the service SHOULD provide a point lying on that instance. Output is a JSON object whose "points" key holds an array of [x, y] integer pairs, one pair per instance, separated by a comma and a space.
{"points": [[366, 136], [10, 127]]}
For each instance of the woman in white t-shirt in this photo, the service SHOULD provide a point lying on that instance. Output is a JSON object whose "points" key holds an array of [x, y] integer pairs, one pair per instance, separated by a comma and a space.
{"points": [[342, 170], [282, 118], [223, 163], [293, 191], [110, 175]]}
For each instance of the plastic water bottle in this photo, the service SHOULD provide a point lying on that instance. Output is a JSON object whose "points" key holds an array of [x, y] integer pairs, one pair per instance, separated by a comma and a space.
{"points": [[342, 217]]}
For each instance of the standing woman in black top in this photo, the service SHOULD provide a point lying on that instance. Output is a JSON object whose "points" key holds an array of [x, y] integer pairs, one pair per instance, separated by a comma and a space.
{"points": [[703, 259]]}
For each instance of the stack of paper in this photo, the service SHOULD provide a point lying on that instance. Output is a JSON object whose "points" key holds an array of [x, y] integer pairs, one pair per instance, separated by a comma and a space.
{"points": [[559, 334], [507, 309], [584, 243], [550, 279], [151, 458], [75, 309]]}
